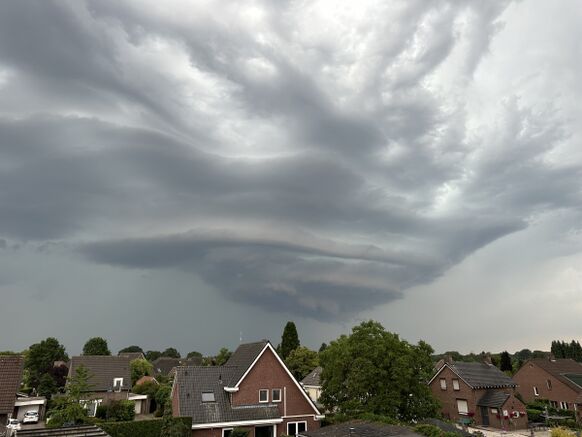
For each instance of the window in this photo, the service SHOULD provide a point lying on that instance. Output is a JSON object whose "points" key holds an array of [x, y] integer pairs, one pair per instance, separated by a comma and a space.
{"points": [[443, 384], [208, 396], [462, 406], [276, 395], [263, 396], [456, 385], [549, 384], [536, 392], [564, 405], [117, 384], [553, 404], [294, 428], [494, 411], [226, 432]]}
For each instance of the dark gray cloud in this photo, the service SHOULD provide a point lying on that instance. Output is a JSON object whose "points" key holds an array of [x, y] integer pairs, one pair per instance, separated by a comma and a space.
{"points": [[308, 159]]}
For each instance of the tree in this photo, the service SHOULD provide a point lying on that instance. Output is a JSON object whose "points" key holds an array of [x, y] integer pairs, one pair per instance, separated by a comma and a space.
{"points": [[373, 371], [289, 340], [505, 362], [131, 349], [59, 374], [223, 356], [96, 346], [172, 427], [194, 354], [301, 361], [70, 408], [322, 347], [152, 355], [162, 397], [40, 359], [139, 368], [171, 352], [47, 386]]}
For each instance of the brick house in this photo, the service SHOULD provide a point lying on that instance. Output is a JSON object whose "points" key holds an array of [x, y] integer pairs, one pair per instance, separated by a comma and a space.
{"points": [[556, 380], [109, 376], [478, 392], [11, 367], [253, 390], [312, 384]]}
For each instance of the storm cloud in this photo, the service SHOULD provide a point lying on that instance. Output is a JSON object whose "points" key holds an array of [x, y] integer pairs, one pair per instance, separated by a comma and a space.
{"points": [[313, 158]]}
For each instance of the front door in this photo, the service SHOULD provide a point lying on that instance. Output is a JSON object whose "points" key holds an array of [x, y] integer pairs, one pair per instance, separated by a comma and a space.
{"points": [[485, 415]]}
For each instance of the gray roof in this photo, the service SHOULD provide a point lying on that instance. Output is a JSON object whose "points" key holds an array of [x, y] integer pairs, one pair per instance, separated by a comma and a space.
{"points": [[193, 381], [493, 398], [314, 377], [243, 357], [481, 375], [164, 365], [75, 431], [132, 355], [102, 370], [360, 429], [11, 367]]}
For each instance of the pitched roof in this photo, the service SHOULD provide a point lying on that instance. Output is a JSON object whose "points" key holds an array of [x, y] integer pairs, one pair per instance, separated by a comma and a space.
{"points": [[102, 370], [193, 381], [75, 431], [164, 365], [493, 398], [11, 367], [243, 357], [565, 369], [146, 378], [132, 355], [481, 375], [360, 429], [314, 377]]}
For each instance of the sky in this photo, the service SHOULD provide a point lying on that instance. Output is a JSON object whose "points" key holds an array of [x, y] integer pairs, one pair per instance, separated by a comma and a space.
{"points": [[187, 174]]}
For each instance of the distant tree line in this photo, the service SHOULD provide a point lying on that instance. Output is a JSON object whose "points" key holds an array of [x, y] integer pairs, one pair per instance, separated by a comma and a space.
{"points": [[562, 349]]}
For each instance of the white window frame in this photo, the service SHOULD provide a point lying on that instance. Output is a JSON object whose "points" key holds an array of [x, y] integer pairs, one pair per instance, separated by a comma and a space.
{"points": [[456, 385], [536, 391], [563, 405], [273, 395], [264, 390], [463, 413], [226, 429], [296, 426], [494, 411], [115, 381], [443, 384]]}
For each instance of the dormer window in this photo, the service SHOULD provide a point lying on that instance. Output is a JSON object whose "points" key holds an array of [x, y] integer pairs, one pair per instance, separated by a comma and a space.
{"points": [[263, 396], [208, 396], [117, 384]]}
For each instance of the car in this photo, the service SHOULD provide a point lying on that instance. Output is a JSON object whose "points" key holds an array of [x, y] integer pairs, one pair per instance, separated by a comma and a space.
{"points": [[14, 424], [30, 417]]}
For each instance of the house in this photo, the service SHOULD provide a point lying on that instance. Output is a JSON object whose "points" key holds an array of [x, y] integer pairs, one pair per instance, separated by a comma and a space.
{"points": [[312, 384], [253, 390], [110, 378], [556, 380], [11, 367], [479, 393], [164, 365]]}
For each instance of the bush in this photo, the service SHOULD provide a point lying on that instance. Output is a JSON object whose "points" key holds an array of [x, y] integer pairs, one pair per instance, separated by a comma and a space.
{"points": [[239, 432], [144, 428], [535, 415], [562, 432], [101, 412], [431, 430]]}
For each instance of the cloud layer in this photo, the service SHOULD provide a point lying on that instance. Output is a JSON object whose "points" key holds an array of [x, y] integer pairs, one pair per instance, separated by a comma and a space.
{"points": [[317, 158]]}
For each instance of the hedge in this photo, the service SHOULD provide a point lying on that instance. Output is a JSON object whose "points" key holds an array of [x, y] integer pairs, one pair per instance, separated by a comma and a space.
{"points": [[142, 428]]}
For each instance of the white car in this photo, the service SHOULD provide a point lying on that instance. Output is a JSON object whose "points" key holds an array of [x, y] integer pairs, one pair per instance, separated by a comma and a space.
{"points": [[14, 424], [30, 417]]}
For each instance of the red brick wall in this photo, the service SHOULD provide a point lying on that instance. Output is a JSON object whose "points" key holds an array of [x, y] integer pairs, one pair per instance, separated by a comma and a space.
{"points": [[176, 401], [268, 374], [448, 399], [531, 375]]}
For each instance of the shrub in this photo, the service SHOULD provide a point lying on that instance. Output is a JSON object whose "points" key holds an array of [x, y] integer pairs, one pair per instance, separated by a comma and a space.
{"points": [[562, 432], [239, 432], [143, 428], [535, 415], [101, 412], [432, 431]]}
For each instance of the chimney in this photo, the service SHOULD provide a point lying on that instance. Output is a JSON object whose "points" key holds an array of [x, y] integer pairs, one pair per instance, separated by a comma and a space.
{"points": [[487, 359], [449, 359]]}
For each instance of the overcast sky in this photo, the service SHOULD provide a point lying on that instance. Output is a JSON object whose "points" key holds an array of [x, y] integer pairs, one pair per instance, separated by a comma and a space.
{"points": [[175, 173]]}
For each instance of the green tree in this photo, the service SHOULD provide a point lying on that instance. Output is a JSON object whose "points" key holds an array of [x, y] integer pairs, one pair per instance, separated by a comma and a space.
{"points": [[40, 359], [162, 397], [301, 361], [131, 349], [172, 427], [194, 354], [139, 368], [373, 371], [171, 352], [70, 408], [96, 346], [223, 356], [289, 340], [47, 386], [322, 347], [505, 362], [152, 355]]}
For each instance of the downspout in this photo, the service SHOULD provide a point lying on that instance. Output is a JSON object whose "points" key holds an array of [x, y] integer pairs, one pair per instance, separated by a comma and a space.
{"points": [[285, 401]]}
